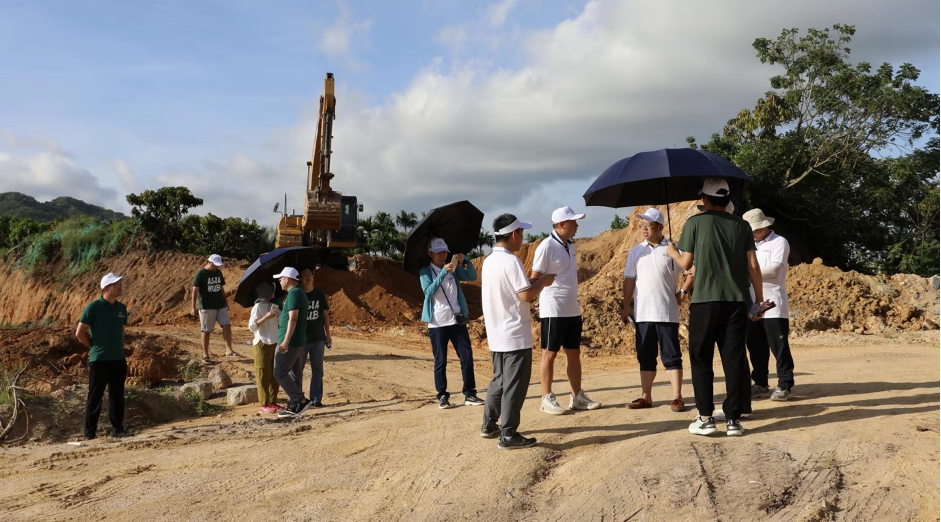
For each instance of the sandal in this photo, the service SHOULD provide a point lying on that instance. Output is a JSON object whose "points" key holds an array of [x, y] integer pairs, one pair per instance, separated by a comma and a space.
{"points": [[678, 405], [639, 404], [207, 360], [233, 355]]}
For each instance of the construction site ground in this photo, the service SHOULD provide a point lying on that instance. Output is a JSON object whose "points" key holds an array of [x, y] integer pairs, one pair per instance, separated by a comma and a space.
{"points": [[859, 441]]}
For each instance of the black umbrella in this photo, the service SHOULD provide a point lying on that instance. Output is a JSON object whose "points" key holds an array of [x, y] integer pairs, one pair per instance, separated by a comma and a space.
{"points": [[269, 265], [661, 177], [458, 224]]}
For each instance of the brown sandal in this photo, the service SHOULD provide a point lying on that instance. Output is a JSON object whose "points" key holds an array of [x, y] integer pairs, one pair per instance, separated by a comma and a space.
{"points": [[678, 405], [639, 404]]}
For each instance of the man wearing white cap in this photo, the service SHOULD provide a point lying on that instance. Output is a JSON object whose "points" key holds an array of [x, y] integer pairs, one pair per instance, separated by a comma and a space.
{"points": [[209, 295], [292, 336], [653, 274], [101, 330], [559, 311], [725, 260], [769, 335], [445, 310], [505, 292]]}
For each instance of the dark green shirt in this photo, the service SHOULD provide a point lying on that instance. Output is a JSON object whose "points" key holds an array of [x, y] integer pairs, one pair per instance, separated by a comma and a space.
{"points": [[719, 242], [316, 305], [295, 300], [106, 324], [211, 294]]}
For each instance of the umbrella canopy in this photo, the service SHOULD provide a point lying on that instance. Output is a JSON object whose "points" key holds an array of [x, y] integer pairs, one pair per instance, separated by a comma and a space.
{"points": [[458, 224], [269, 265], [660, 177]]}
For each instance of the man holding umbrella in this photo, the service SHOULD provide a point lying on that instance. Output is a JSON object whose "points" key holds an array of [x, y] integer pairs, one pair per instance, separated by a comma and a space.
{"points": [[725, 260], [559, 311], [505, 291], [445, 311]]}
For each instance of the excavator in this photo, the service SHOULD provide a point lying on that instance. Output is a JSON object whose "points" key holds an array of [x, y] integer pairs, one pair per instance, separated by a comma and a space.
{"points": [[329, 221]]}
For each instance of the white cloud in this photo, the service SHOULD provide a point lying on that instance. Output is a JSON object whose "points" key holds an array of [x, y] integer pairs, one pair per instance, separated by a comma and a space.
{"points": [[342, 36], [497, 13], [126, 176], [454, 37], [48, 175]]}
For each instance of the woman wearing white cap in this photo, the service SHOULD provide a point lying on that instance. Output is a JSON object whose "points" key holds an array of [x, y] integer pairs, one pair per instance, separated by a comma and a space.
{"points": [[445, 311]]}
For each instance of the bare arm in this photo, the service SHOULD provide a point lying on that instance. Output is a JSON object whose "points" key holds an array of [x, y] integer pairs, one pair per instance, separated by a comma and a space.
{"points": [[685, 260], [537, 284], [326, 326], [194, 293], [83, 334], [754, 274], [628, 294]]}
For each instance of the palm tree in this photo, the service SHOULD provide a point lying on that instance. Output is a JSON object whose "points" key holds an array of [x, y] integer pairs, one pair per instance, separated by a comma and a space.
{"points": [[406, 220]]}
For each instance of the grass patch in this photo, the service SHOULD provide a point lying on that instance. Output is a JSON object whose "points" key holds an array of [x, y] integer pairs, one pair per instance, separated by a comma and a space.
{"points": [[80, 241], [191, 370], [201, 407]]}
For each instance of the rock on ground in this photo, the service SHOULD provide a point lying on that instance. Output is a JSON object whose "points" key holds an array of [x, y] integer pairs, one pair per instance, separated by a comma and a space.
{"points": [[242, 395], [201, 388], [219, 378]]}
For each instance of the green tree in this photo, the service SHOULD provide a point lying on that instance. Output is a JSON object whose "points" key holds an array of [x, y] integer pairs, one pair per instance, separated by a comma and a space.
{"points": [[406, 220], [161, 211], [618, 222], [532, 238], [829, 144]]}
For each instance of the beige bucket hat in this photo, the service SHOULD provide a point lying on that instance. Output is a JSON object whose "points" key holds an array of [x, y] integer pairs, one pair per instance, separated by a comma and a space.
{"points": [[757, 219]]}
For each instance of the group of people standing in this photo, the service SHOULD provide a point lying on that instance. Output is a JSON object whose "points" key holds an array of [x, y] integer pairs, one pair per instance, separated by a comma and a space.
{"points": [[731, 264]]}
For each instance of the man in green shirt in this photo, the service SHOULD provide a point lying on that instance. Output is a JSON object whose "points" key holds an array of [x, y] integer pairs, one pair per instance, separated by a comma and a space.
{"points": [[318, 334], [724, 251], [101, 329], [292, 335], [209, 295]]}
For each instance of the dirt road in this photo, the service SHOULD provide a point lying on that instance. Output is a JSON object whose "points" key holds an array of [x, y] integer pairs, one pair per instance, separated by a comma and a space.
{"points": [[858, 442]]}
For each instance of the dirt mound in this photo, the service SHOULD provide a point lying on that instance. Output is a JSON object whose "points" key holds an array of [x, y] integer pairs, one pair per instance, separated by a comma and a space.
{"points": [[55, 359]]}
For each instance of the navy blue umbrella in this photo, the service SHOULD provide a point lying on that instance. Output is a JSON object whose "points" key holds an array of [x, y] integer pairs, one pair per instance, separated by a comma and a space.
{"points": [[269, 265], [661, 177], [457, 223]]}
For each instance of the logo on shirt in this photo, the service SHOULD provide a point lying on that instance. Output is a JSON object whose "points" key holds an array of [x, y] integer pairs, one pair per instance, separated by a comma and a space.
{"points": [[215, 284], [313, 310]]}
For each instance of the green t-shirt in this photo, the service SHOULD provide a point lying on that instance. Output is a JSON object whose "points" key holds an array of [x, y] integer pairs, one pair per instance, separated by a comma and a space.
{"points": [[719, 242], [106, 322], [211, 294], [295, 300], [316, 305]]}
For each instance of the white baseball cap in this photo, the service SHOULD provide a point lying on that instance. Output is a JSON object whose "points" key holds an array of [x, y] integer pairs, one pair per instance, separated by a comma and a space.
{"points": [[110, 279], [716, 187], [215, 259], [516, 224], [565, 214], [437, 245], [652, 214], [288, 272], [757, 219]]}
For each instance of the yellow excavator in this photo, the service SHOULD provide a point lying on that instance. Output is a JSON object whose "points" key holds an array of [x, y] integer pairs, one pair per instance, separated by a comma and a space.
{"points": [[330, 218]]}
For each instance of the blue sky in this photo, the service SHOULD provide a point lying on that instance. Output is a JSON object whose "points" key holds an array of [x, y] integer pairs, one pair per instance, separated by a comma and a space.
{"points": [[515, 105]]}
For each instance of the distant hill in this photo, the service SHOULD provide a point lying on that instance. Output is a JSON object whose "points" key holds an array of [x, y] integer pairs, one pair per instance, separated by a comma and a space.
{"points": [[23, 206]]}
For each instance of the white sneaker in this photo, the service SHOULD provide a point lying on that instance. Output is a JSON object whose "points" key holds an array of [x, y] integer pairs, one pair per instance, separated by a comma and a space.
{"points": [[551, 406], [719, 416], [582, 402], [702, 426]]}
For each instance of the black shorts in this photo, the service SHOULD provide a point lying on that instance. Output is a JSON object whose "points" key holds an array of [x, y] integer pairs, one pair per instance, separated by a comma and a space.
{"points": [[561, 332], [667, 335]]}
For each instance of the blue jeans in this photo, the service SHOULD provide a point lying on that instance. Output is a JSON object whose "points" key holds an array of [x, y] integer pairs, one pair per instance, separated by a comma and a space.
{"points": [[315, 351], [460, 339], [285, 373]]}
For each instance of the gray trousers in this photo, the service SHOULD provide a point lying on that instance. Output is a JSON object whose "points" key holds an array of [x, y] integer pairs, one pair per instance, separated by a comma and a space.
{"points": [[507, 390], [287, 374], [315, 351]]}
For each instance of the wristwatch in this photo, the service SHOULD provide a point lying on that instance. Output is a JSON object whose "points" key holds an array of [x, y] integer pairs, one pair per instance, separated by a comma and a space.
{"points": [[683, 291]]}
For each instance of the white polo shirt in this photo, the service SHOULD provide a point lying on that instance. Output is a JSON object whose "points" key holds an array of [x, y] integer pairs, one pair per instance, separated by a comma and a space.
{"points": [[506, 317], [444, 301], [560, 299], [772, 253], [655, 274]]}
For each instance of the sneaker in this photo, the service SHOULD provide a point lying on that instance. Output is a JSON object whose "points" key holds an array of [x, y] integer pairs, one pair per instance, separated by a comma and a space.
{"points": [[516, 441], [734, 429], [473, 400], [702, 426], [719, 415], [119, 434], [287, 413], [759, 391], [781, 394], [551, 406], [302, 407], [582, 402], [490, 430], [317, 403], [443, 403]]}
